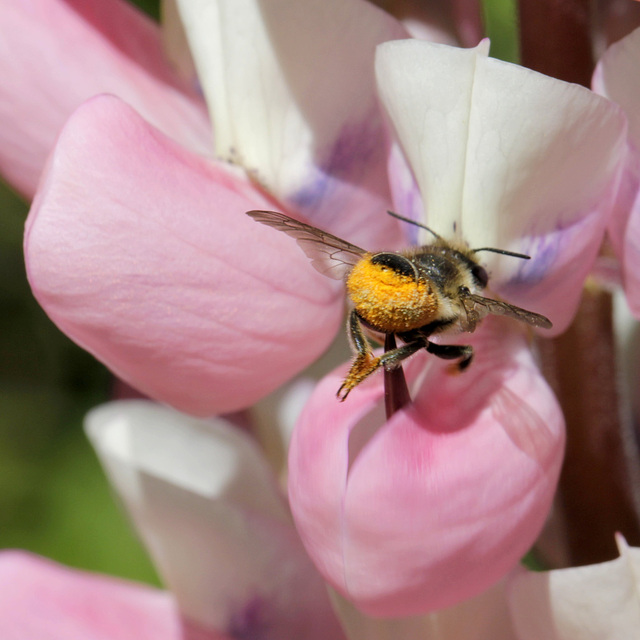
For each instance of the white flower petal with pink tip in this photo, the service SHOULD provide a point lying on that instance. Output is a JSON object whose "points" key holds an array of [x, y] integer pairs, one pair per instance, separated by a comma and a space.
{"points": [[291, 92], [208, 507], [142, 253], [436, 504], [54, 54], [596, 602], [507, 158]]}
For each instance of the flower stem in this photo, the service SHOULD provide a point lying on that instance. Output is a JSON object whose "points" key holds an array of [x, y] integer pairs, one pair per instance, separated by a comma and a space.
{"points": [[595, 491], [555, 38], [396, 392], [596, 482]]}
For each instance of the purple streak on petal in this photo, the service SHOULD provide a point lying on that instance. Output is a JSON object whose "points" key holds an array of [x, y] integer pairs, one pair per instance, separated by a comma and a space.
{"points": [[358, 148], [548, 248], [406, 196], [544, 251], [250, 622]]}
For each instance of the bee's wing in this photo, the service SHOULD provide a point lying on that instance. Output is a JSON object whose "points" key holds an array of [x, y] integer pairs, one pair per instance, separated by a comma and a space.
{"points": [[330, 255], [499, 308]]}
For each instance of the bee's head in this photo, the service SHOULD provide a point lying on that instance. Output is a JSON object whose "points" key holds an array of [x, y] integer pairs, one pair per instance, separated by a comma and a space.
{"points": [[480, 275]]}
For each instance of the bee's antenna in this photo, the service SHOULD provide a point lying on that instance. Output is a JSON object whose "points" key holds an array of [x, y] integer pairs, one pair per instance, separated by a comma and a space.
{"points": [[413, 222], [513, 254]]}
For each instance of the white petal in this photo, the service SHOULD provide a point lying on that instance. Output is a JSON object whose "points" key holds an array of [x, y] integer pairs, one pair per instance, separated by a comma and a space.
{"points": [[597, 602], [207, 506], [507, 158], [485, 617], [427, 90], [291, 91], [495, 147]]}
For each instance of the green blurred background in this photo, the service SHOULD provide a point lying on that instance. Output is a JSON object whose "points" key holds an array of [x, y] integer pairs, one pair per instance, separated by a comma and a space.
{"points": [[54, 499]]}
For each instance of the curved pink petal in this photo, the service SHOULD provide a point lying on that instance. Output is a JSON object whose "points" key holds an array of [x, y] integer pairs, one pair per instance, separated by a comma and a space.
{"points": [[291, 91], [616, 78], [39, 600], [142, 253], [457, 22], [207, 505], [507, 158], [54, 54], [437, 504]]}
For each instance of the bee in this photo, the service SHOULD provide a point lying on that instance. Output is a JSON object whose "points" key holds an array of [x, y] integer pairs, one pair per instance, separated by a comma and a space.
{"points": [[413, 294]]}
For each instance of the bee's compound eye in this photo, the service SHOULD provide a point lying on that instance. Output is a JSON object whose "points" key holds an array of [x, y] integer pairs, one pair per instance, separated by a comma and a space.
{"points": [[399, 264], [480, 275]]}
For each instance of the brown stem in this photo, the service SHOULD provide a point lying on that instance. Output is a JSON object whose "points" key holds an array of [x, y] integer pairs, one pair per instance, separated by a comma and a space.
{"points": [[396, 392], [555, 38], [595, 485]]}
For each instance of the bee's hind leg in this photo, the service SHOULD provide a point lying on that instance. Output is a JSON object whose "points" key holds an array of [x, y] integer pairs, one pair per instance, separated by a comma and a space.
{"points": [[462, 353], [366, 363]]}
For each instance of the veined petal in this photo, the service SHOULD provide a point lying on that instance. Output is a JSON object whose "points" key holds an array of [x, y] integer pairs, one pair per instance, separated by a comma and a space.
{"points": [[206, 504], [437, 504], [41, 600], [507, 158], [54, 54], [142, 253], [616, 78], [596, 602], [291, 91]]}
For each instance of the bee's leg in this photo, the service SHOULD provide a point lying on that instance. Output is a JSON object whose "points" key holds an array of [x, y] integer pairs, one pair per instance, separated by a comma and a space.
{"points": [[452, 352], [366, 363]]}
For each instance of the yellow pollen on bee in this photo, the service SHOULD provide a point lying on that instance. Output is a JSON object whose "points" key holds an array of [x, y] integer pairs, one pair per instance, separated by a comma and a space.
{"points": [[389, 301]]}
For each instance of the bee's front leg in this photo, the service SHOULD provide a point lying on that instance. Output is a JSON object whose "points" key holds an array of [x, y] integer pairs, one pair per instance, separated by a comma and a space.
{"points": [[366, 363]]}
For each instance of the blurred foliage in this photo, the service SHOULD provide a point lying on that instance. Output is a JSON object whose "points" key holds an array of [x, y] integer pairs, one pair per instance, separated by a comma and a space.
{"points": [[54, 498], [501, 19]]}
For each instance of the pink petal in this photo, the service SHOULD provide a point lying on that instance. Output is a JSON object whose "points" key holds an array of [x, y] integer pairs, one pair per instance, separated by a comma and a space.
{"points": [[40, 600], [457, 22], [142, 253], [207, 505], [291, 90], [55, 54], [616, 78], [437, 504]]}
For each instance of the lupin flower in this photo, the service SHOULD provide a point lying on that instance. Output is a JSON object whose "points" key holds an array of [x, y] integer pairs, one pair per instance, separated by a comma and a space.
{"points": [[208, 508], [207, 505], [437, 503], [139, 249]]}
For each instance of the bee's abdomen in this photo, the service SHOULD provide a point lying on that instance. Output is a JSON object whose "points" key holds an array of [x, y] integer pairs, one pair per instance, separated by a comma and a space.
{"points": [[388, 298]]}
